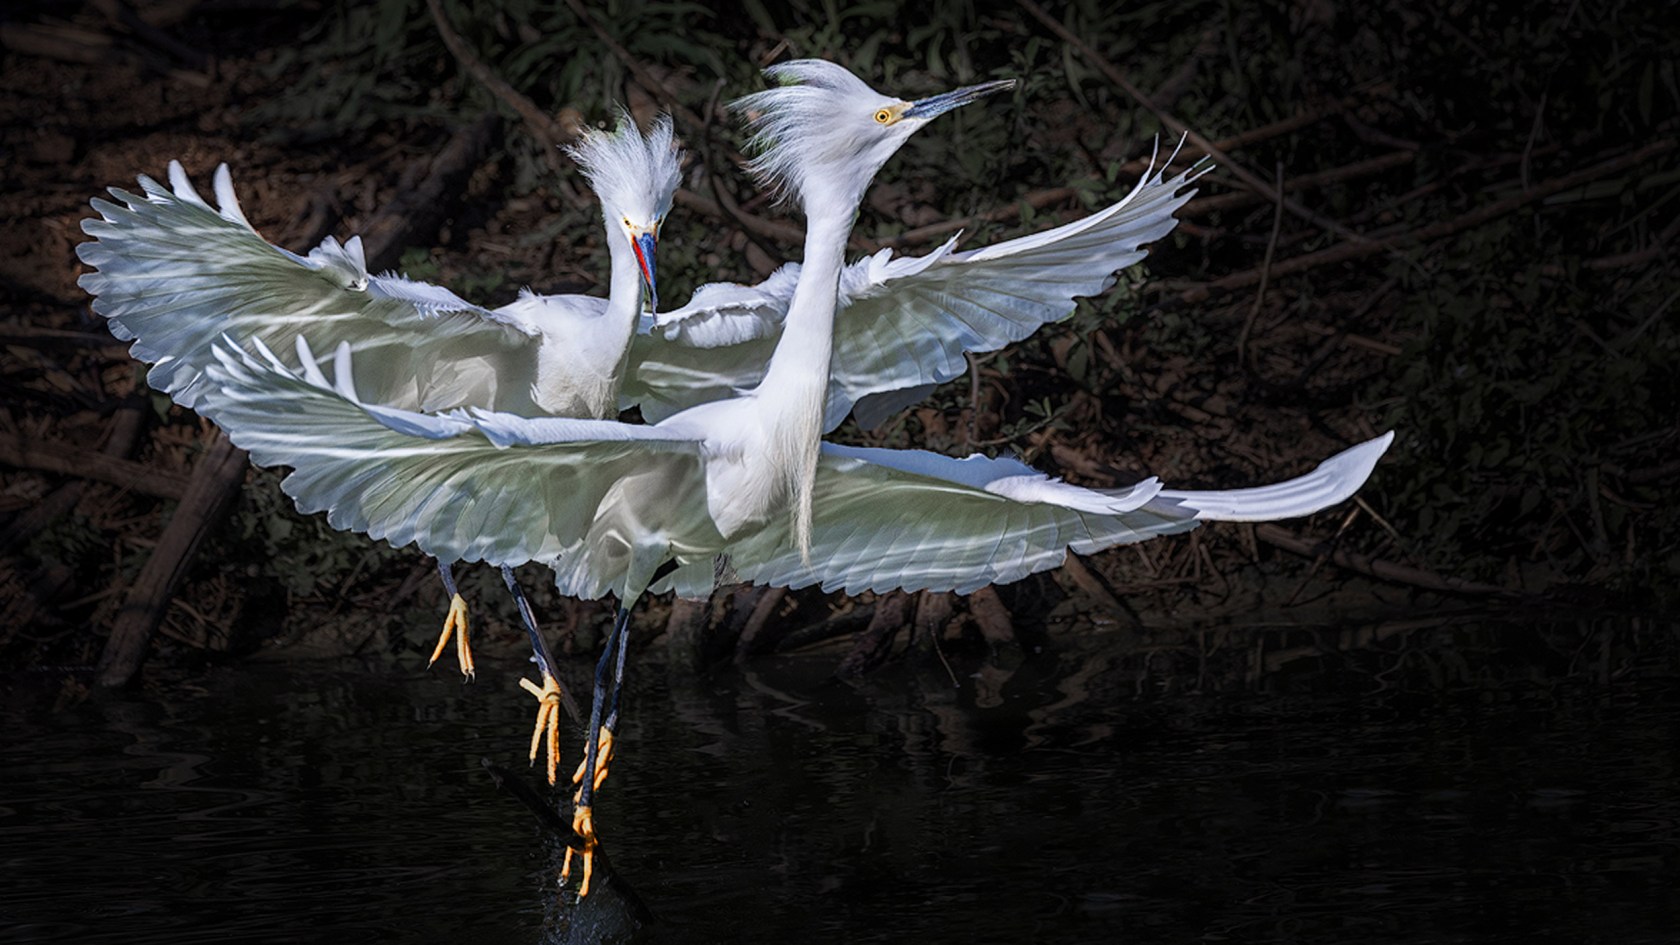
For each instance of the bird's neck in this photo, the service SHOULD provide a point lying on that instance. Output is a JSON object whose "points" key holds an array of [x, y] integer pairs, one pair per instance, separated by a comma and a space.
{"points": [[624, 306], [801, 358], [795, 387]]}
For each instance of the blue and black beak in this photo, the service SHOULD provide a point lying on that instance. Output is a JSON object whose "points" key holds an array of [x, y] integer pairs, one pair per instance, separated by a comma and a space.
{"points": [[644, 244], [934, 106]]}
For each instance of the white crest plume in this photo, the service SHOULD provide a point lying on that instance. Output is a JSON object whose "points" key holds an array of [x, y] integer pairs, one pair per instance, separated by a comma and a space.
{"points": [[815, 123], [635, 174]]}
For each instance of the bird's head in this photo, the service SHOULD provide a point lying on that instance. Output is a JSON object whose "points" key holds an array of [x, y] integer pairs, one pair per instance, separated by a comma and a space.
{"points": [[823, 133], [635, 175]]}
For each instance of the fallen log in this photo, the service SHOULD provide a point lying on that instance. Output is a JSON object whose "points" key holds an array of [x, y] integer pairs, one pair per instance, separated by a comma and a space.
{"points": [[210, 493], [127, 423], [69, 461]]}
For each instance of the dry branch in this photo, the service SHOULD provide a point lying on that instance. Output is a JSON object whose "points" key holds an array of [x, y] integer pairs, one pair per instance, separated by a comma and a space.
{"points": [[933, 614], [56, 458], [210, 494], [540, 123], [1168, 120], [127, 423], [1373, 567], [427, 191], [1345, 252], [993, 619], [874, 644]]}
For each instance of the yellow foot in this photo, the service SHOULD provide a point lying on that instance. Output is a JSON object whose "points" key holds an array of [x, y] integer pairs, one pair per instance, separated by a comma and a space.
{"points": [[583, 824], [456, 619], [603, 754], [548, 721]]}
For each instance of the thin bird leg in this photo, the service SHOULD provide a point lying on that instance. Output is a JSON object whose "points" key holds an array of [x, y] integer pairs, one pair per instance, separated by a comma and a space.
{"points": [[609, 728], [455, 620], [550, 697], [583, 818]]}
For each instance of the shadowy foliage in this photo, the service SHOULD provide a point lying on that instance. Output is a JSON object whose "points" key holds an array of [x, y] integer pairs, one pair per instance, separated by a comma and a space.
{"points": [[1525, 356]]}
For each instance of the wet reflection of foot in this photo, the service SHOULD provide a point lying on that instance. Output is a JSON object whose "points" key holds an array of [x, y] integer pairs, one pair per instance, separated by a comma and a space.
{"points": [[548, 721], [455, 620]]}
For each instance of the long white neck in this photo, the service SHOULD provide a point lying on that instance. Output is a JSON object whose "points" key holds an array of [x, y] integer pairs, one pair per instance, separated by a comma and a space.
{"points": [[624, 306], [795, 386]]}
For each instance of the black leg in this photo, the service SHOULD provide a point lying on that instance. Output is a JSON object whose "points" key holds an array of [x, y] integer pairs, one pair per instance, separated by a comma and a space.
{"points": [[618, 675], [539, 646], [586, 789]]}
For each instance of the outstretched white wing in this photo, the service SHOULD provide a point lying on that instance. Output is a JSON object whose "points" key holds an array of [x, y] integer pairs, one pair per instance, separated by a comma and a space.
{"points": [[175, 274], [465, 485], [904, 322], [910, 520]]}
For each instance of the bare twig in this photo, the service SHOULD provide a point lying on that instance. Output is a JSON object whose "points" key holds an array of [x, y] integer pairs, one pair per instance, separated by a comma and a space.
{"points": [[872, 646], [1345, 252], [1169, 121], [1202, 206], [1374, 567], [536, 119], [1265, 275]]}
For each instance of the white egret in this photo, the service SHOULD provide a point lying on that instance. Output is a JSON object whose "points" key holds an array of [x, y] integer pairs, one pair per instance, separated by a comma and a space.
{"points": [[605, 504], [903, 326], [904, 322], [826, 154], [173, 274], [682, 487]]}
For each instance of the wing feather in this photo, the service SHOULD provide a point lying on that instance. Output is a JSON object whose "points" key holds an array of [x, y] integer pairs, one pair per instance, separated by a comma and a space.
{"points": [[912, 520], [904, 322], [462, 485], [173, 275]]}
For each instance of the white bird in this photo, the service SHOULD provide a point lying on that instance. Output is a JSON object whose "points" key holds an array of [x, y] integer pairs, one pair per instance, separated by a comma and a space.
{"points": [[680, 489], [737, 463], [904, 323], [605, 504], [174, 274]]}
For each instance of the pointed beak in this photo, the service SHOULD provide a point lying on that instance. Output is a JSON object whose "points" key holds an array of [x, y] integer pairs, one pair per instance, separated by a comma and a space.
{"points": [[938, 105], [643, 245]]}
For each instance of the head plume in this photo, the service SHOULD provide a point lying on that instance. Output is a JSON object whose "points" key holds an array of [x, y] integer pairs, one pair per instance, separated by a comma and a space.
{"points": [[816, 126], [634, 174]]}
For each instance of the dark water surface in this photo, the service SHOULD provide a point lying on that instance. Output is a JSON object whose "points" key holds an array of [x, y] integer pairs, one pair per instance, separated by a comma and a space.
{"points": [[1483, 783]]}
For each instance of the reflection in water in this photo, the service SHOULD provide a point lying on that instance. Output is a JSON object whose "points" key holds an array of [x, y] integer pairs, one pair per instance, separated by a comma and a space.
{"points": [[1389, 783]]}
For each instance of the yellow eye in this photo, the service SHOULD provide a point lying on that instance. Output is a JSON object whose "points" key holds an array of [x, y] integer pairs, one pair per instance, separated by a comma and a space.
{"points": [[883, 117]]}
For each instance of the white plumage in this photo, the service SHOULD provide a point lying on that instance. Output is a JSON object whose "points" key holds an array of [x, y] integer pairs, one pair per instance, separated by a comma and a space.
{"points": [[475, 485], [903, 322], [174, 274]]}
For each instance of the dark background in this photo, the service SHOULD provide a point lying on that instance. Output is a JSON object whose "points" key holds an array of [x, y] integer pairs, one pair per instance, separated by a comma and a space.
{"points": [[1481, 260]]}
